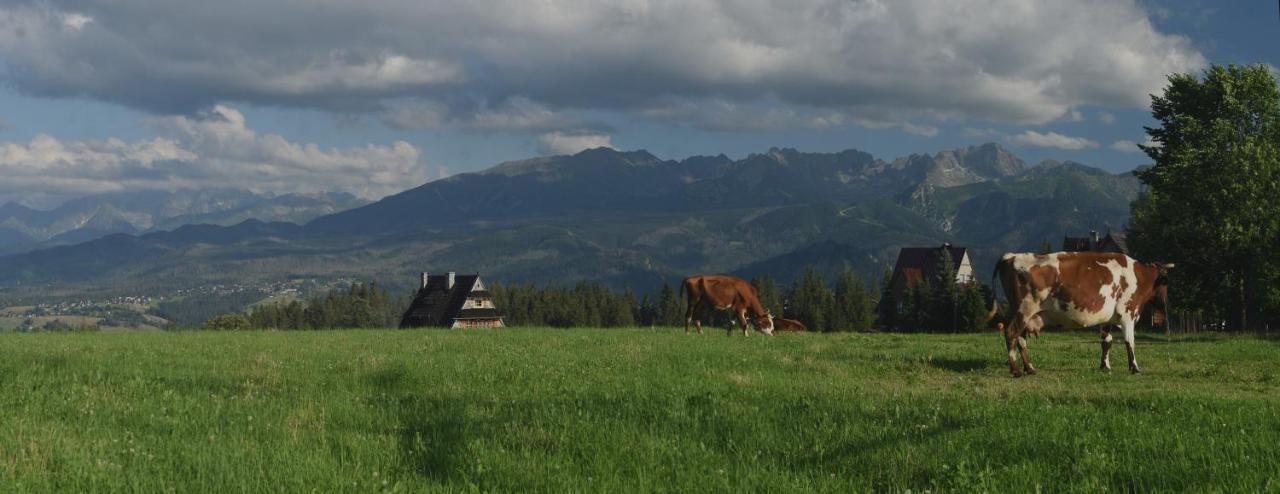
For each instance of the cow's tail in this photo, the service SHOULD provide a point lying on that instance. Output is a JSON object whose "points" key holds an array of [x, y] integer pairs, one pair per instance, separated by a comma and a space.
{"points": [[995, 299]]}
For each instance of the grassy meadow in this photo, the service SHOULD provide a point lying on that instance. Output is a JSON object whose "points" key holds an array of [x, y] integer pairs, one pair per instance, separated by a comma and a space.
{"points": [[630, 410]]}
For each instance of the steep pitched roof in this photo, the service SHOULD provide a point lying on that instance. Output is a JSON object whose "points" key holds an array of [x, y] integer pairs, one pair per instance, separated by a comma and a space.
{"points": [[1111, 242], [436, 304], [921, 263], [1076, 244]]}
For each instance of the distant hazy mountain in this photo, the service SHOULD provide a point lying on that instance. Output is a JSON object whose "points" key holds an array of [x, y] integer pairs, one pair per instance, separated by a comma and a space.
{"points": [[92, 217], [630, 218]]}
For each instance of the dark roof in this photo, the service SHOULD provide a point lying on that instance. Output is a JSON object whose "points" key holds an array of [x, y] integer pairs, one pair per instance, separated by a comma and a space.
{"points": [[1076, 244], [1118, 241], [921, 263], [438, 305], [1111, 242]]}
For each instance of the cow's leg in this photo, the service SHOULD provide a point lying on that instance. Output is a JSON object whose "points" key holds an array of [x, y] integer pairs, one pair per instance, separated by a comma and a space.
{"points": [[688, 314], [1011, 336], [1027, 368], [1033, 325], [1127, 326], [697, 315], [1106, 348], [742, 320]]}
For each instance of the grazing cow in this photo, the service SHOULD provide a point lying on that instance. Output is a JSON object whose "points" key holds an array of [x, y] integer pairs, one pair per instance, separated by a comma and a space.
{"points": [[1076, 290], [724, 293], [789, 325]]}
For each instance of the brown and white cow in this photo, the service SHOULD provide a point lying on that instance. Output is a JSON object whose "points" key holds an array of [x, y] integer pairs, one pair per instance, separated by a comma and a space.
{"points": [[724, 293], [1076, 290]]}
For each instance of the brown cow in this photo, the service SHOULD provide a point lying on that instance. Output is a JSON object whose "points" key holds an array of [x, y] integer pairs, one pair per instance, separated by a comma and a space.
{"points": [[1076, 290], [789, 325], [724, 293]]}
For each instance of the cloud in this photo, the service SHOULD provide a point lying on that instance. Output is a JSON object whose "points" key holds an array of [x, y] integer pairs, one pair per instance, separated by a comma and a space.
{"points": [[1125, 146], [473, 64], [556, 143], [1053, 140], [1106, 118], [517, 113], [213, 149], [920, 130], [5, 126], [1075, 116]]}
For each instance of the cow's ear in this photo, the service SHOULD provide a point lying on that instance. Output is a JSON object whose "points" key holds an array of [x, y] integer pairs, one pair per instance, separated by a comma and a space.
{"points": [[1168, 265]]}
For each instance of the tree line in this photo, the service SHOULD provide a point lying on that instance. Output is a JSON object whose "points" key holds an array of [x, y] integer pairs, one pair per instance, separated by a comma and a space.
{"points": [[843, 303], [361, 305]]}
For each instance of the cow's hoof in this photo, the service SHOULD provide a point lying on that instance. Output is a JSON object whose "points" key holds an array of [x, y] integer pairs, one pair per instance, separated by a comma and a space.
{"points": [[1104, 368], [1017, 374], [1134, 370], [1030, 372]]}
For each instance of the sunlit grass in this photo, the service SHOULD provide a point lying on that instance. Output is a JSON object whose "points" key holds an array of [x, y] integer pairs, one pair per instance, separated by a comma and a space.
{"points": [[636, 410]]}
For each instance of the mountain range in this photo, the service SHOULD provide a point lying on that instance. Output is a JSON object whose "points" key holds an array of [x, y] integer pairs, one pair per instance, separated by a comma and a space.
{"points": [[24, 229], [628, 218]]}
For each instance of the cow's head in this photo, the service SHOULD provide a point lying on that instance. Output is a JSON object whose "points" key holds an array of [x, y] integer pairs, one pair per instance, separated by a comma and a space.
{"points": [[765, 324]]}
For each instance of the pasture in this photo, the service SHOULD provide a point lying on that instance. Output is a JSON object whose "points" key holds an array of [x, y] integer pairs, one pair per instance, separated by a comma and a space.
{"points": [[630, 410]]}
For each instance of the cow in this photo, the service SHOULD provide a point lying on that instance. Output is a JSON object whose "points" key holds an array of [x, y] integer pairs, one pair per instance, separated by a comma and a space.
{"points": [[724, 293], [1075, 290], [789, 325]]}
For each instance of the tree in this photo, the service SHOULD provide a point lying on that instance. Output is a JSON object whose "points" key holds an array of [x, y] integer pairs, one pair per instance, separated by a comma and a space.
{"points": [[854, 310], [227, 322], [767, 290], [669, 307], [1212, 202], [811, 301], [944, 299]]}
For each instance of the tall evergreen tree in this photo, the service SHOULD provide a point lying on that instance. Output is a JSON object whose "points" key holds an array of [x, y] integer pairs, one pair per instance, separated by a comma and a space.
{"points": [[767, 290], [811, 301], [670, 312], [853, 307]]}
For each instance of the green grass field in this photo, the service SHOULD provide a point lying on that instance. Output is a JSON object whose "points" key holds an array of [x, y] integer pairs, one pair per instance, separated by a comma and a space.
{"points": [[630, 410]]}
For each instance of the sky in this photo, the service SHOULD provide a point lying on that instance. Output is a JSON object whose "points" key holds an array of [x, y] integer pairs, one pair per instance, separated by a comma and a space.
{"points": [[377, 96]]}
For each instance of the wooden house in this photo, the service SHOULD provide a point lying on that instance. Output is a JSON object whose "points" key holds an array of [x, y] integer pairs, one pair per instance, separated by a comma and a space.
{"points": [[921, 263], [452, 301], [1111, 242]]}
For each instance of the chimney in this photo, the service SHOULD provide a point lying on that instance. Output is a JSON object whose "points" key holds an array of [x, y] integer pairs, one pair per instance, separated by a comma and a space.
{"points": [[451, 273], [424, 279]]}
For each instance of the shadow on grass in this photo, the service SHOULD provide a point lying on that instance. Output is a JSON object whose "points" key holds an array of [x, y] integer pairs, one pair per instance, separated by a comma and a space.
{"points": [[433, 437], [432, 431], [963, 364]]}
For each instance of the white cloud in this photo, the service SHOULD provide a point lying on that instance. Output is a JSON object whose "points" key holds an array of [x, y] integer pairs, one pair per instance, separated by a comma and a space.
{"points": [[1075, 116], [1106, 118], [214, 149], [1053, 140], [920, 130], [1127, 146], [75, 21], [556, 143], [1007, 61]]}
